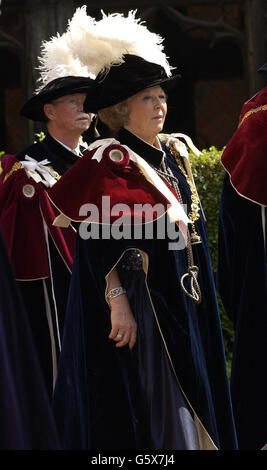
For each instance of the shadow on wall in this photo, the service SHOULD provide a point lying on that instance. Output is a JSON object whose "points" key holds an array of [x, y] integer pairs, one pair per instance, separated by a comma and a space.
{"points": [[11, 100]]}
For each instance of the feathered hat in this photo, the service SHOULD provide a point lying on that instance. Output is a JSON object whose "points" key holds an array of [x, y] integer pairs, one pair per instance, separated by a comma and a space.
{"points": [[122, 53], [60, 74]]}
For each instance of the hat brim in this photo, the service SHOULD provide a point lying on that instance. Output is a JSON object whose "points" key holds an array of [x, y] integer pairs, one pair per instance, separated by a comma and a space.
{"points": [[167, 84], [34, 108]]}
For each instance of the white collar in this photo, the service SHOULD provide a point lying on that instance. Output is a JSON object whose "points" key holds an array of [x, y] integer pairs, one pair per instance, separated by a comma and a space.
{"points": [[76, 151]]}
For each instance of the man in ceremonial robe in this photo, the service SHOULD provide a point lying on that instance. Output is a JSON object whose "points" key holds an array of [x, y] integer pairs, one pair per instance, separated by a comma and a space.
{"points": [[41, 255]]}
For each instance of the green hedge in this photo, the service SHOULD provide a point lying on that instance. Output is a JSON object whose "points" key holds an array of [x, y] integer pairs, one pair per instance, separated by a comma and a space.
{"points": [[208, 174]]}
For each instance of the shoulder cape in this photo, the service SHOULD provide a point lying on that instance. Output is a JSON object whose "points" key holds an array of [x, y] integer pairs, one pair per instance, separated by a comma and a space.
{"points": [[126, 182], [25, 211], [245, 156]]}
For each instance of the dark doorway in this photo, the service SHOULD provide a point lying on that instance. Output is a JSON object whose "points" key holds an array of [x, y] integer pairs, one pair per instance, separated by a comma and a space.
{"points": [[11, 130], [207, 100]]}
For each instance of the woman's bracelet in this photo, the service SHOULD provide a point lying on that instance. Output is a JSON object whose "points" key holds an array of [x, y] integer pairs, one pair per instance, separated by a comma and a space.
{"points": [[115, 292]]}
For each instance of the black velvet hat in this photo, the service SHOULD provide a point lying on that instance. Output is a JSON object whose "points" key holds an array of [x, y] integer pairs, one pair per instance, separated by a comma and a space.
{"points": [[263, 68], [34, 107], [130, 77]]}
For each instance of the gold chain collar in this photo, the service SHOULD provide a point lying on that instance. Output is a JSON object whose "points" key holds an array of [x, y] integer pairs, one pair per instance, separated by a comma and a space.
{"points": [[195, 201]]}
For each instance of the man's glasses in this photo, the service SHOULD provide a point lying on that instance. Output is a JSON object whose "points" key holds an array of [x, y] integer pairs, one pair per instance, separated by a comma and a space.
{"points": [[71, 102]]}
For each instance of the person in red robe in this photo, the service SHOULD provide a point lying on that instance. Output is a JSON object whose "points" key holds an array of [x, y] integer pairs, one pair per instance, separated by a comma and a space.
{"points": [[242, 266]]}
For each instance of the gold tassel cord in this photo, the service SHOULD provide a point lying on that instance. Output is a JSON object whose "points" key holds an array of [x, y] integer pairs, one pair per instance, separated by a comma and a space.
{"points": [[252, 111], [14, 167]]}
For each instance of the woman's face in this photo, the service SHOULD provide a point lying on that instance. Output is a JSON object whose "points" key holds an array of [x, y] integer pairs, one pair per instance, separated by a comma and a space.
{"points": [[147, 112]]}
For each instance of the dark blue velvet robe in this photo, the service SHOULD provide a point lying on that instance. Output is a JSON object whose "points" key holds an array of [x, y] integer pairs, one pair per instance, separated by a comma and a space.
{"points": [[104, 395], [61, 159], [242, 283], [26, 419]]}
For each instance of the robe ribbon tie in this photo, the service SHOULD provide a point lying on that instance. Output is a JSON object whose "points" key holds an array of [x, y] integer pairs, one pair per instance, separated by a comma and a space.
{"points": [[39, 171]]}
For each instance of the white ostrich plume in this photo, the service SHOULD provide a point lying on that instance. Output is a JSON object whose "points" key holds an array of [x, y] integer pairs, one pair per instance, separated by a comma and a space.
{"points": [[100, 44], [57, 61]]}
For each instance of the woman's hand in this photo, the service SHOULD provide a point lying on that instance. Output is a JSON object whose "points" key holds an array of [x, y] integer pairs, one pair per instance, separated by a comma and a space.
{"points": [[123, 324]]}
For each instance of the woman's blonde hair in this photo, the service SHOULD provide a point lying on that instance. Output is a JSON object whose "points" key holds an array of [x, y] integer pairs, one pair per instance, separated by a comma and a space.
{"points": [[115, 116]]}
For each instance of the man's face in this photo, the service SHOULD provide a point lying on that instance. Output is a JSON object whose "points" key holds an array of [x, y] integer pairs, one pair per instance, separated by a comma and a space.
{"points": [[67, 113]]}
